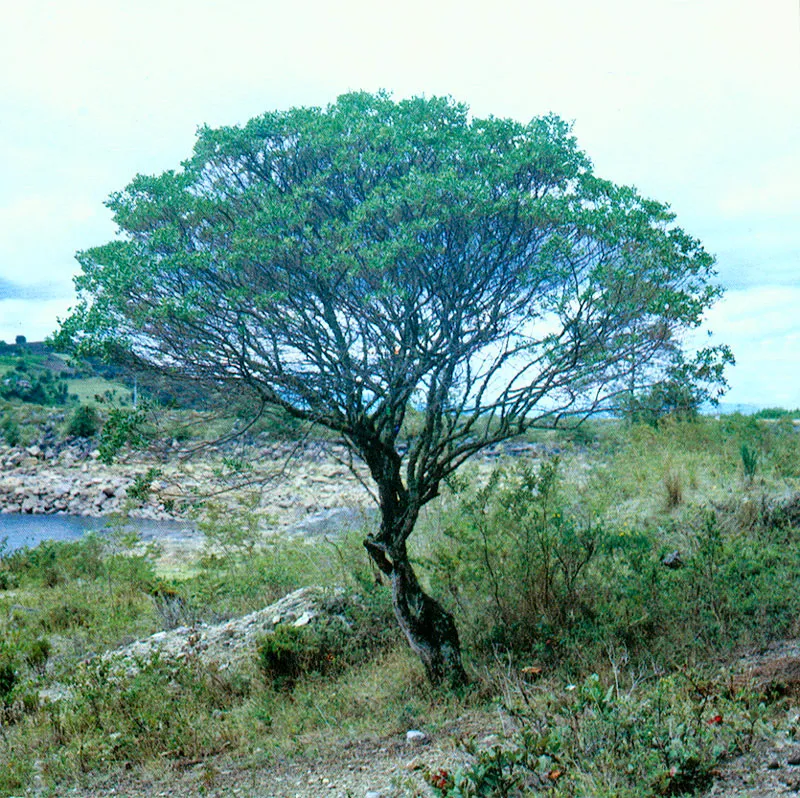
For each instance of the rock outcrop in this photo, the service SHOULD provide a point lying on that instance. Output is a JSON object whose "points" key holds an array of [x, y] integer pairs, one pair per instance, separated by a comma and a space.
{"points": [[229, 644]]}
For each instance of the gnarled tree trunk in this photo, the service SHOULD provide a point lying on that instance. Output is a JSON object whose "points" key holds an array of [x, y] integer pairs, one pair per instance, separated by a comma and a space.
{"points": [[429, 628]]}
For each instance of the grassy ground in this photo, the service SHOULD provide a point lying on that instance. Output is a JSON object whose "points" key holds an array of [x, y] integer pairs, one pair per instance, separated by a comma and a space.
{"points": [[604, 660]]}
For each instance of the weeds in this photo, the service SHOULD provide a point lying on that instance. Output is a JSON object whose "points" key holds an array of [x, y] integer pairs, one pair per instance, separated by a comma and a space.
{"points": [[659, 737], [749, 462], [553, 568]]}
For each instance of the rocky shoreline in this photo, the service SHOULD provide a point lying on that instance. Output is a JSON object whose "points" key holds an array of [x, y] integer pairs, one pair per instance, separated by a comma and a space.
{"points": [[285, 484], [283, 487]]}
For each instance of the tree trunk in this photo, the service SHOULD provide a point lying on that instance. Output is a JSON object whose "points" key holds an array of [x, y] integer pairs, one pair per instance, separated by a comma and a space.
{"points": [[428, 627]]}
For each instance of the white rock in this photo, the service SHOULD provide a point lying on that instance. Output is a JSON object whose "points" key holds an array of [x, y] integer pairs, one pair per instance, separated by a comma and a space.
{"points": [[416, 736], [304, 619]]}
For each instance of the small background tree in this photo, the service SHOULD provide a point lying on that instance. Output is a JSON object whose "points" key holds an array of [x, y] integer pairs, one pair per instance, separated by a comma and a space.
{"points": [[351, 263]]}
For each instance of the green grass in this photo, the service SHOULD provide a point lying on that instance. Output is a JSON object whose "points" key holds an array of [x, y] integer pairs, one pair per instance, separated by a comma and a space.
{"points": [[85, 390]]}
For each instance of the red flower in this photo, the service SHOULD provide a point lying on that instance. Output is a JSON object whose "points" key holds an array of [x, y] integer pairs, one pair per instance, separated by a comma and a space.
{"points": [[440, 779], [715, 719]]}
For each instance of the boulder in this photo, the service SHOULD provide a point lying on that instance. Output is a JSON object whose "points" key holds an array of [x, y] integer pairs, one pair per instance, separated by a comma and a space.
{"points": [[230, 643]]}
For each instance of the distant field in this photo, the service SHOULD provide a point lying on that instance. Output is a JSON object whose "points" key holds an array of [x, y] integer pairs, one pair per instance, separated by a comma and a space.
{"points": [[38, 361], [87, 389]]}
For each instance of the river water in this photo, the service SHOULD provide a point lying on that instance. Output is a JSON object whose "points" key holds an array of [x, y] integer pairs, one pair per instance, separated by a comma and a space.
{"points": [[19, 530]]}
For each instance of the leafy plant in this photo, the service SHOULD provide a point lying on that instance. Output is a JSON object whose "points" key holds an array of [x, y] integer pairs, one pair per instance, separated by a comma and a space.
{"points": [[10, 430], [84, 422], [661, 738], [139, 489], [513, 558]]}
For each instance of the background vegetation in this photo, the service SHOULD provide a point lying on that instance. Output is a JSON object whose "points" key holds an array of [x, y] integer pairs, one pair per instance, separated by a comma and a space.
{"points": [[599, 580]]}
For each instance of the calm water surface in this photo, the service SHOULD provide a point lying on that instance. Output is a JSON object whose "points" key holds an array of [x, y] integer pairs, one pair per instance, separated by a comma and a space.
{"points": [[30, 530]]}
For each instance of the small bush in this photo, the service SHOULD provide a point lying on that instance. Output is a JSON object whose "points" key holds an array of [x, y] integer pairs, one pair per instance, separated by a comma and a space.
{"points": [[288, 652], [10, 431], [8, 678], [84, 422], [659, 739], [139, 489], [37, 653], [514, 561], [352, 631]]}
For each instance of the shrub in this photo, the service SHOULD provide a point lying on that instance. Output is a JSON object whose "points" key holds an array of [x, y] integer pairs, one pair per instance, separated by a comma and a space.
{"points": [[513, 560], [10, 431], [139, 489], [663, 738], [288, 652], [84, 422], [673, 398], [351, 631], [8, 678], [37, 652]]}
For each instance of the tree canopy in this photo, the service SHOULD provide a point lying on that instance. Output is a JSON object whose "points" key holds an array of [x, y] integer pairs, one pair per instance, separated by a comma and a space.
{"points": [[349, 263]]}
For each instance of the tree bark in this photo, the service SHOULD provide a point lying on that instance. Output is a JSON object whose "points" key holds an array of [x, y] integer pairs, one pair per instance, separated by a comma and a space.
{"points": [[429, 628]]}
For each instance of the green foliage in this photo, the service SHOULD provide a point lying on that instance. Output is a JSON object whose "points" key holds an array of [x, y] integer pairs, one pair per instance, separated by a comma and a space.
{"points": [[8, 678], [776, 413], [513, 560], [662, 400], [39, 389], [10, 430], [749, 461], [352, 630], [83, 422], [288, 652], [121, 428], [132, 717], [529, 574], [139, 489], [661, 738]]}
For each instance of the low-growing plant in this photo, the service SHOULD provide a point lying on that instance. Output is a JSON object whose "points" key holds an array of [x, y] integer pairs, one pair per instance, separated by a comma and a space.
{"points": [[658, 737], [10, 430], [83, 422], [139, 489], [351, 631], [288, 652], [514, 561]]}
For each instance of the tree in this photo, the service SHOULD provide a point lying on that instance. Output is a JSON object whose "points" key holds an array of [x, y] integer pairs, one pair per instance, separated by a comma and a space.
{"points": [[348, 264]]}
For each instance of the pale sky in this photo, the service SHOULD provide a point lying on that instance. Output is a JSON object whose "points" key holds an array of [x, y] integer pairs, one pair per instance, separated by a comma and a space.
{"points": [[695, 102]]}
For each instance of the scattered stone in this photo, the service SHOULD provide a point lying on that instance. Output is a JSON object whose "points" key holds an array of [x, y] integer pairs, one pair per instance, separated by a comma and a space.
{"points": [[673, 560], [794, 759], [416, 736]]}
